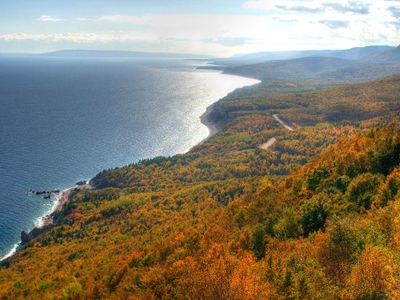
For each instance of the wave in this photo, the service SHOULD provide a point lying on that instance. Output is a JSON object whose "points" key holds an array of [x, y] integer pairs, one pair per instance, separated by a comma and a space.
{"points": [[12, 251]]}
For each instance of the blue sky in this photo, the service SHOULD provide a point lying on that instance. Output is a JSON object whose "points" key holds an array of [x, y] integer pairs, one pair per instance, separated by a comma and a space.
{"points": [[214, 27]]}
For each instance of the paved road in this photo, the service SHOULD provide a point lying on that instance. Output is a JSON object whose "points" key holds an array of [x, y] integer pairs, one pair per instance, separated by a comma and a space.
{"points": [[282, 123], [268, 144], [272, 141]]}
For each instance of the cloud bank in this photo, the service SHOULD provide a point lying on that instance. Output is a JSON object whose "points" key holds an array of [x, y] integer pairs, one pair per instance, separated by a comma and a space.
{"points": [[49, 19], [262, 25]]}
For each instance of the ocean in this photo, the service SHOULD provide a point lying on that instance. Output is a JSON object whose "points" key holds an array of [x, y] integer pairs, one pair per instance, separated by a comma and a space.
{"points": [[65, 120]]}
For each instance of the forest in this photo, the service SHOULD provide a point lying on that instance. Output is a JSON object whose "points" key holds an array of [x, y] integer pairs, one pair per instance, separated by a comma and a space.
{"points": [[314, 216]]}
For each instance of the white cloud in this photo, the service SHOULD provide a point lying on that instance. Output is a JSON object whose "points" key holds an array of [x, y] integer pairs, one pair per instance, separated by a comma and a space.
{"points": [[313, 6], [74, 37], [349, 22], [285, 25], [49, 19], [196, 26], [339, 24]]}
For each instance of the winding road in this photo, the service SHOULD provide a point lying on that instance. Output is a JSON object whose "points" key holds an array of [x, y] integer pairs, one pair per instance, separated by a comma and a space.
{"points": [[273, 140], [282, 123]]}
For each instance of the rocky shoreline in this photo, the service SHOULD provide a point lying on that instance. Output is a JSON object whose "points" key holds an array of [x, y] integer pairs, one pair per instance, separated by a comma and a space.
{"points": [[213, 127], [47, 221]]}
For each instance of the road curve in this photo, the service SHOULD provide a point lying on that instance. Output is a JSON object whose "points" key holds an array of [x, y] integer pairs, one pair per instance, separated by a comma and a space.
{"points": [[282, 123], [273, 140], [268, 144]]}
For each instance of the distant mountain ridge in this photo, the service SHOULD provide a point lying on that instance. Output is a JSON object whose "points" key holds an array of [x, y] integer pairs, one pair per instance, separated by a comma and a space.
{"points": [[389, 56], [293, 69], [119, 54], [354, 65], [358, 53]]}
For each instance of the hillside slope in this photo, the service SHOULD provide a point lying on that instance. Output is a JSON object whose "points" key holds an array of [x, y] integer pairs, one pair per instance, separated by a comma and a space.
{"points": [[292, 69], [322, 69], [388, 56], [359, 53], [313, 217]]}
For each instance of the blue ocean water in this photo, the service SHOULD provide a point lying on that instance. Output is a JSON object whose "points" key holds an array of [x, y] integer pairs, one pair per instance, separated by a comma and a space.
{"points": [[64, 120]]}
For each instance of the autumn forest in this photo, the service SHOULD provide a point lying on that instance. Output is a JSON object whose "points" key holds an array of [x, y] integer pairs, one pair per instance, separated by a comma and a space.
{"points": [[296, 197]]}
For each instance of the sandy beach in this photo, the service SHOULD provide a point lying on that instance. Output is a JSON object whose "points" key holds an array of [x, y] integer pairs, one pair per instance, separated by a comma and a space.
{"points": [[46, 221], [62, 199], [205, 119]]}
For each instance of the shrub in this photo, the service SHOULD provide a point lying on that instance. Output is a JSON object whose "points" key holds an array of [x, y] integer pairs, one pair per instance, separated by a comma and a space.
{"points": [[314, 216], [258, 242], [374, 275], [314, 180], [72, 291], [288, 225], [362, 189]]}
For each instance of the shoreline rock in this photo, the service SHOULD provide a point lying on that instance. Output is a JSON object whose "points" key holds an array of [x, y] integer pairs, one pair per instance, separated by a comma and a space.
{"points": [[35, 232], [47, 222]]}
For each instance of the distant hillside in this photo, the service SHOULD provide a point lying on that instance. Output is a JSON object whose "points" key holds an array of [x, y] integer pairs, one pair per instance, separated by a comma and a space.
{"points": [[228, 220], [294, 69], [320, 68], [118, 54], [359, 53], [388, 56], [362, 72]]}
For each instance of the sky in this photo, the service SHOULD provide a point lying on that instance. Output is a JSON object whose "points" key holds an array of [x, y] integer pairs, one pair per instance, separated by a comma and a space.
{"points": [[213, 27]]}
